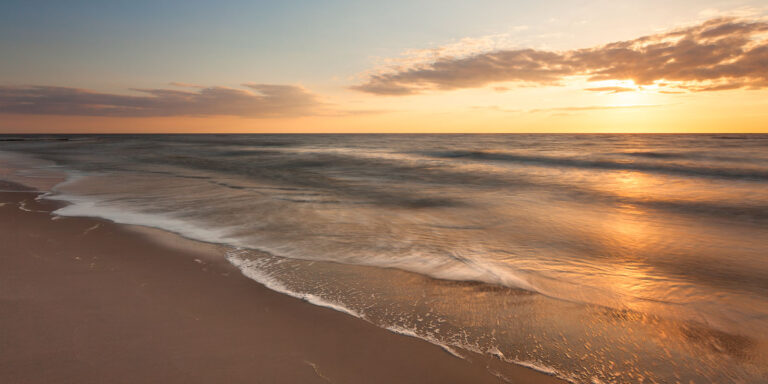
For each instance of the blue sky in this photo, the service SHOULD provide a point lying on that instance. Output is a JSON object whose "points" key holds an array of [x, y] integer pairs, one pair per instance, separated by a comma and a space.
{"points": [[113, 44]]}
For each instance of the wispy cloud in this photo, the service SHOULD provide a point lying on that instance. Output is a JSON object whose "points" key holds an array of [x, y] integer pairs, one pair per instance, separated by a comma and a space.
{"points": [[594, 108], [719, 54], [563, 110], [253, 100], [611, 89]]}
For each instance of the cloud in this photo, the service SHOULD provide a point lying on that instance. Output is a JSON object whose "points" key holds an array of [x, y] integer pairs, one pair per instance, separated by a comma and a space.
{"points": [[186, 85], [722, 53], [561, 111], [594, 108], [610, 89], [255, 100]]}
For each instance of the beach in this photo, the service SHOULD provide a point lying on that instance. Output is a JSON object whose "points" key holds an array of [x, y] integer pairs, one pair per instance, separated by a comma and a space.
{"points": [[384, 192], [385, 258], [85, 300]]}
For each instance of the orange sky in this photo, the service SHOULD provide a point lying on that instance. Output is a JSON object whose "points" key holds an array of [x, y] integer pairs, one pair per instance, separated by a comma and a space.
{"points": [[705, 74]]}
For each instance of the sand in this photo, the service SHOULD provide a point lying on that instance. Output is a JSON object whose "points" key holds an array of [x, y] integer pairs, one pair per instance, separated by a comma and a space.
{"points": [[83, 300]]}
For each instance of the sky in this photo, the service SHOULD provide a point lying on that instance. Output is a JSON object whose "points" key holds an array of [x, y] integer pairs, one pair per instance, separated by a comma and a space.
{"points": [[332, 66]]}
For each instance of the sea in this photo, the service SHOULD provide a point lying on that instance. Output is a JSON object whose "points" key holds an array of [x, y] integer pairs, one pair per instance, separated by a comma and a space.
{"points": [[623, 258]]}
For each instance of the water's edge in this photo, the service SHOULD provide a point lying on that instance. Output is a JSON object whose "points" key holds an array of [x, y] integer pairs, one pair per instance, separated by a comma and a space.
{"points": [[73, 206]]}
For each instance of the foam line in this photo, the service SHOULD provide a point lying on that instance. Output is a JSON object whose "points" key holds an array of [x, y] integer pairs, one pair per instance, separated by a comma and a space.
{"points": [[250, 270]]}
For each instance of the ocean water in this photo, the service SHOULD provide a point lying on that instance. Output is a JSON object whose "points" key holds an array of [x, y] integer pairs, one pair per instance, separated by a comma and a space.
{"points": [[596, 258]]}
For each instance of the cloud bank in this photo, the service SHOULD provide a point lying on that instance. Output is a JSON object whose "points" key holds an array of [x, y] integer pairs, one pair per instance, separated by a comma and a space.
{"points": [[719, 54], [256, 100]]}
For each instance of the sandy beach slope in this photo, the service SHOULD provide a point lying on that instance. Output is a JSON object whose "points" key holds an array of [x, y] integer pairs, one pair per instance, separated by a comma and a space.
{"points": [[88, 301]]}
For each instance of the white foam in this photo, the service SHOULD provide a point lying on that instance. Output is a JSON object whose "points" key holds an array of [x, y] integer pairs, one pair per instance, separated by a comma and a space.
{"points": [[87, 207], [83, 206], [411, 333], [487, 351], [317, 370], [471, 269], [91, 229], [23, 207], [250, 269]]}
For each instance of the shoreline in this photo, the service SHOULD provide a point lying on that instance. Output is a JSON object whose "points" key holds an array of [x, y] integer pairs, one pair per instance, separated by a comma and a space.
{"points": [[88, 300]]}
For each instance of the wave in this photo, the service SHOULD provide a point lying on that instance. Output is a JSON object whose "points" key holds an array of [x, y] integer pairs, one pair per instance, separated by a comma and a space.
{"points": [[570, 162], [89, 207], [253, 270], [656, 155], [496, 239]]}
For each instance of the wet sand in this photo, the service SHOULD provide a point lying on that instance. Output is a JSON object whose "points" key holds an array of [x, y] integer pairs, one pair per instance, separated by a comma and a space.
{"points": [[84, 300]]}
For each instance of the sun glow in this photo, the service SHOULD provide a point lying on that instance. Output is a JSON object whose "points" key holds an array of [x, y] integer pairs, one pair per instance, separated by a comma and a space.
{"points": [[625, 93]]}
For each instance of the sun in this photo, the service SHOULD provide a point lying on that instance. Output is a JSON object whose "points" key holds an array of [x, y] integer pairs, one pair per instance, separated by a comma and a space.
{"points": [[624, 93]]}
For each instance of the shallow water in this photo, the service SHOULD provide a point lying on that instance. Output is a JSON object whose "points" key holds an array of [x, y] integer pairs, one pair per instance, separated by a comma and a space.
{"points": [[613, 258]]}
